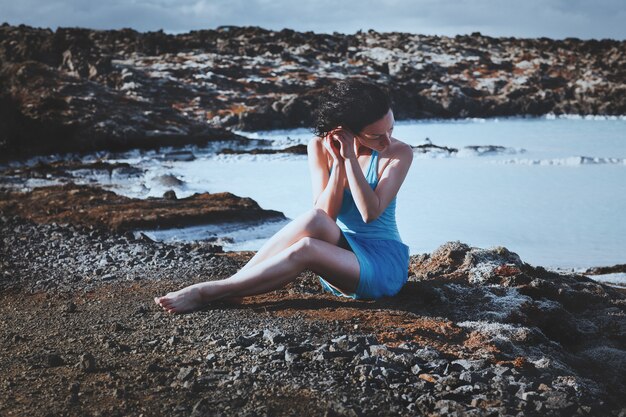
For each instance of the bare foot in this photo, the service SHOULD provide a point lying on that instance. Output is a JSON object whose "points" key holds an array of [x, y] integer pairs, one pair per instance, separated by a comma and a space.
{"points": [[186, 300]]}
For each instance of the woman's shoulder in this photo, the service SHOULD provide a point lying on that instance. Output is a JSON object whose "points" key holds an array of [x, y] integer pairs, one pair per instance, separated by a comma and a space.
{"points": [[315, 143], [315, 147], [397, 154], [316, 151], [398, 150]]}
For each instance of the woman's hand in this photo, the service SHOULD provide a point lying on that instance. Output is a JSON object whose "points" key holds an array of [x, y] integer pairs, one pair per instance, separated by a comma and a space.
{"points": [[345, 140], [333, 148]]}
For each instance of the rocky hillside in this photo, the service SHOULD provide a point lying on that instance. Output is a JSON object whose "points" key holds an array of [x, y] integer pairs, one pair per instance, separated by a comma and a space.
{"points": [[82, 90]]}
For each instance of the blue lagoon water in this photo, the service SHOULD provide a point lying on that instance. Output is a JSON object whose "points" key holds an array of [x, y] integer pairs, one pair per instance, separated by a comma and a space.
{"points": [[555, 193], [551, 189]]}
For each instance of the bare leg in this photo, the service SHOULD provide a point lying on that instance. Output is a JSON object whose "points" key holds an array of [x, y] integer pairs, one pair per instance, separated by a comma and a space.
{"points": [[313, 223], [326, 259]]}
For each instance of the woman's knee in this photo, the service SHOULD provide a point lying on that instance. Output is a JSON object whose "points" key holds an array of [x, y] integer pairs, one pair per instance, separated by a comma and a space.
{"points": [[302, 250], [318, 223]]}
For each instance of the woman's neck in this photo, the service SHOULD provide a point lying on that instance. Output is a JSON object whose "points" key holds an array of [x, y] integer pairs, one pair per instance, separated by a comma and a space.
{"points": [[362, 150]]}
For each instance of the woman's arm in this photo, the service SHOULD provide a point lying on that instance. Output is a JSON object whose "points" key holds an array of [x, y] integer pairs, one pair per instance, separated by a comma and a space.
{"points": [[327, 189], [371, 203]]}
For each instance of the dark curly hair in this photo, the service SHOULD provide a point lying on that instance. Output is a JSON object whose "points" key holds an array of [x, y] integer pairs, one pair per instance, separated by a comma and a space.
{"points": [[353, 104]]}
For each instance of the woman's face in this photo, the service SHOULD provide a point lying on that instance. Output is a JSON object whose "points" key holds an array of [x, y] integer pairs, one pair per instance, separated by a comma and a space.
{"points": [[377, 135]]}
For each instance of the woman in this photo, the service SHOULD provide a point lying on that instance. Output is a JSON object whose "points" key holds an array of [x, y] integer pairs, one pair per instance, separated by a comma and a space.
{"points": [[349, 238]]}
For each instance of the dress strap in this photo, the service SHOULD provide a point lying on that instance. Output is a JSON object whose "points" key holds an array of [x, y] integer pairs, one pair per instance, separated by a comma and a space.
{"points": [[372, 169]]}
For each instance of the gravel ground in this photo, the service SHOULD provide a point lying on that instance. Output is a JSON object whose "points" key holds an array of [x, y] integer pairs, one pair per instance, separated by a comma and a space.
{"points": [[81, 335]]}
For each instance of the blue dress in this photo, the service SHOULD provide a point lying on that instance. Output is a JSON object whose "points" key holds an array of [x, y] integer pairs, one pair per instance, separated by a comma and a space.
{"points": [[383, 257]]}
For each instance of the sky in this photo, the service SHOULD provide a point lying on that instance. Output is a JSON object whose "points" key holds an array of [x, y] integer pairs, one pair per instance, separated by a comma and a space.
{"points": [[556, 19]]}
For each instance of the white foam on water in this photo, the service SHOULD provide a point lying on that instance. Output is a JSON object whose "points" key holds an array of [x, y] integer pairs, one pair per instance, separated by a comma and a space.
{"points": [[228, 234], [598, 117], [263, 158], [617, 279], [488, 150], [571, 161]]}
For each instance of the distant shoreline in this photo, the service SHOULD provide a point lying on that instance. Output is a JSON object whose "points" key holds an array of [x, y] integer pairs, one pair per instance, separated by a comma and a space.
{"points": [[83, 90], [226, 28]]}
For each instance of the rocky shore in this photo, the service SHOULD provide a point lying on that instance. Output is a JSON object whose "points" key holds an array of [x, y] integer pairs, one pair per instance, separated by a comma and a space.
{"points": [[474, 332], [81, 90], [98, 208]]}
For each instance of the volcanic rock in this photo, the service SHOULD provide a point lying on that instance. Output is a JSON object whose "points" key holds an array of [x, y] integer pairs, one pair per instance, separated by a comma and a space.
{"points": [[80, 90], [95, 207]]}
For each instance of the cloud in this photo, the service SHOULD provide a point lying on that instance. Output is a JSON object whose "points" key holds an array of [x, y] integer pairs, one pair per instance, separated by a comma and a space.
{"points": [[529, 18]]}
